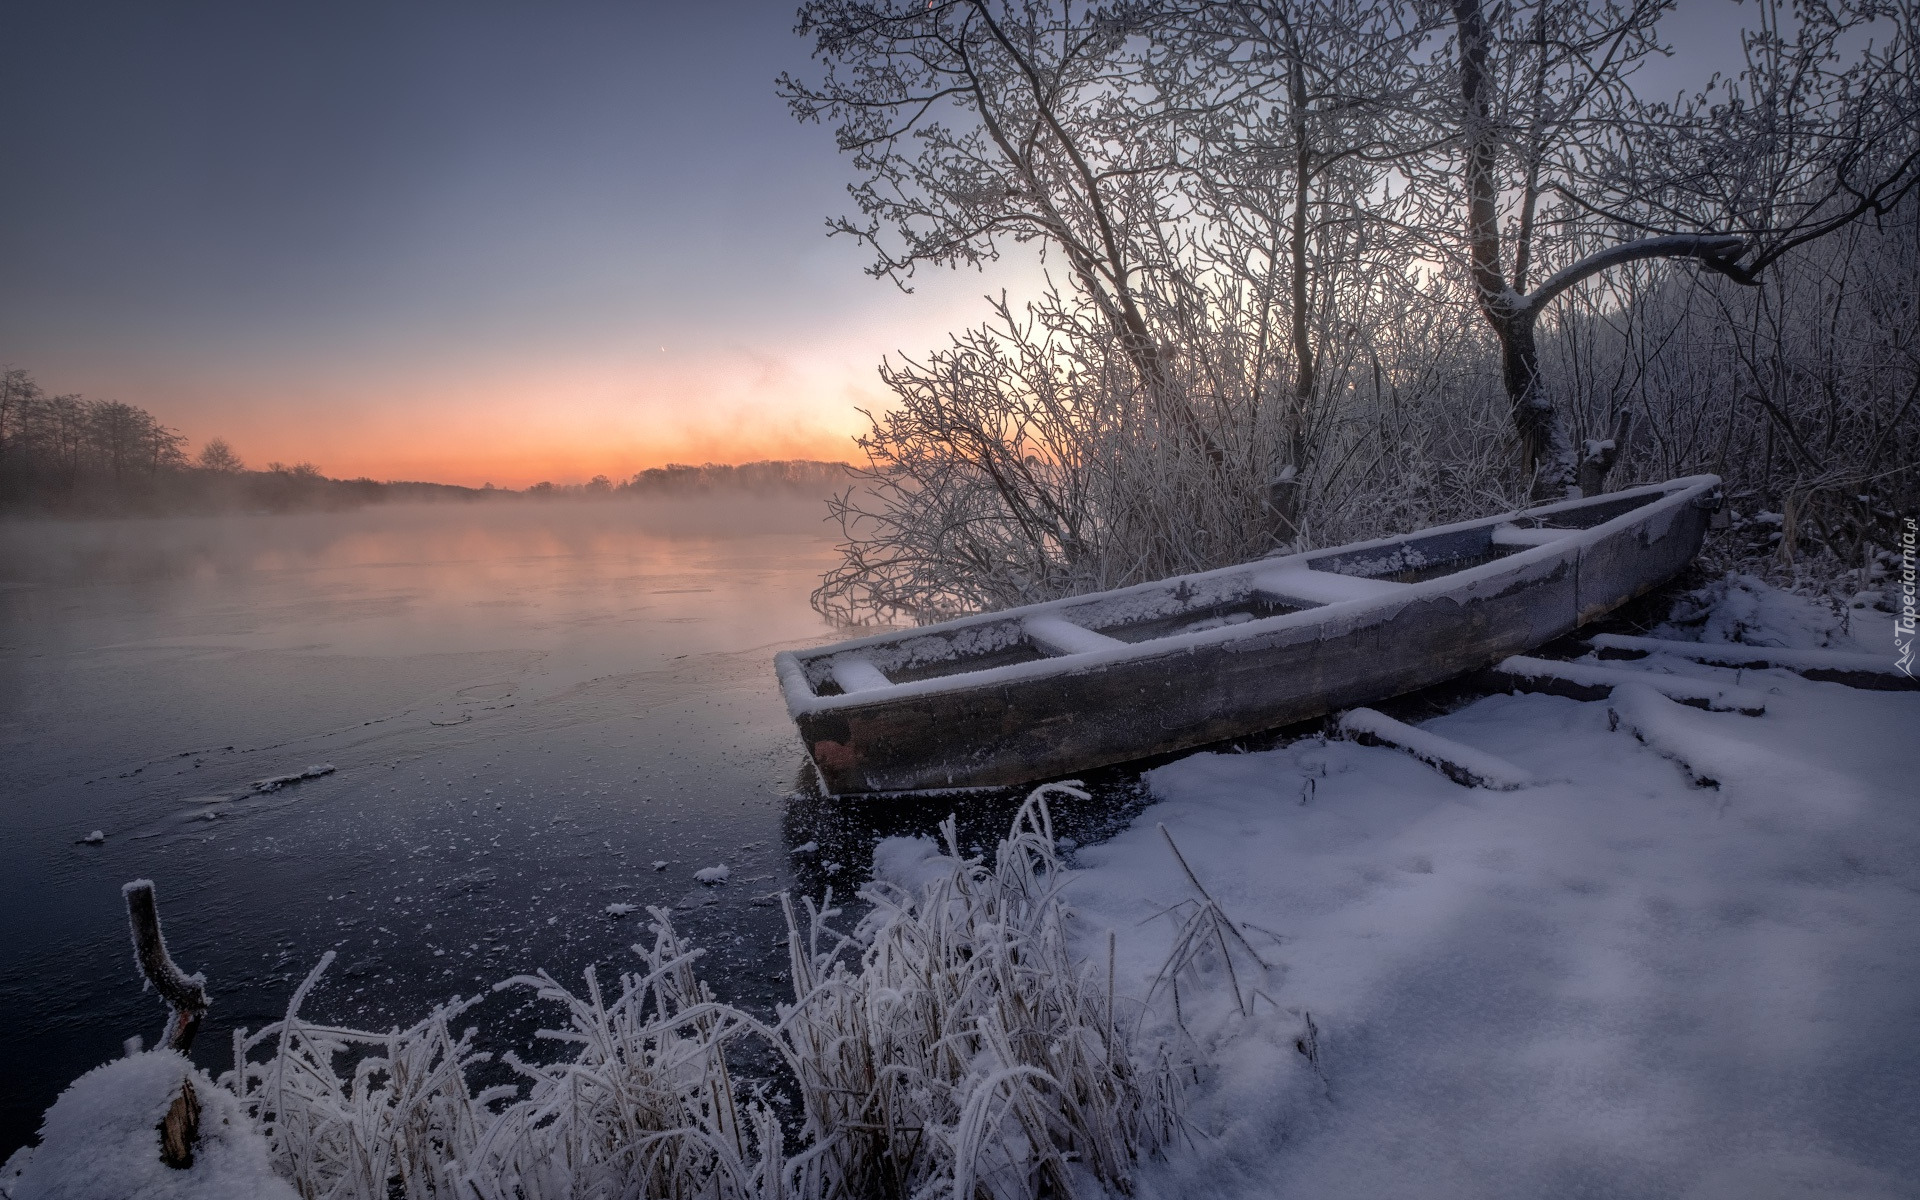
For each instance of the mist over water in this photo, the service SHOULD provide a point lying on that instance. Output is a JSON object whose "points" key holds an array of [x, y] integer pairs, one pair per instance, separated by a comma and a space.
{"points": [[533, 711], [528, 707]]}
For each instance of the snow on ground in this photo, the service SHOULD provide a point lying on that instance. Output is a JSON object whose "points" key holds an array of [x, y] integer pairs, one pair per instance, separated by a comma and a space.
{"points": [[1617, 983], [101, 1141]]}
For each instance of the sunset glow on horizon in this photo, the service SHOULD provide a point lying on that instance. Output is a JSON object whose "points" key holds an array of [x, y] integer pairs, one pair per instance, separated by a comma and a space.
{"points": [[522, 245], [512, 428]]}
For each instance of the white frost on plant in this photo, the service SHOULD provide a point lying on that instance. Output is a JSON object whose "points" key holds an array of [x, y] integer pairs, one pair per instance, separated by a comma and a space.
{"points": [[1007, 1064]]}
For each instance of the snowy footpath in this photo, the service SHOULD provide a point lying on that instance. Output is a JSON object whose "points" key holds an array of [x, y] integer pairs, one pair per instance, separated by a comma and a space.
{"points": [[1618, 982]]}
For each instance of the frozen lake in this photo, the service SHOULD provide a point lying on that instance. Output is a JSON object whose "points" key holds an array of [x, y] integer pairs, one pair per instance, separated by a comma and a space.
{"points": [[528, 707]]}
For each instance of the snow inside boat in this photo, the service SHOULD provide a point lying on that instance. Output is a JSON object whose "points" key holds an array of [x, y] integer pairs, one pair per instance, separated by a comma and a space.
{"points": [[1051, 689]]}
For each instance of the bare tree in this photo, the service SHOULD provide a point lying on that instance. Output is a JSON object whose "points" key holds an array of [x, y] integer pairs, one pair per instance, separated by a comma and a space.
{"points": [[1797, 148], [977, 121], [1290, 115], [1299, 234], [218, 456]]}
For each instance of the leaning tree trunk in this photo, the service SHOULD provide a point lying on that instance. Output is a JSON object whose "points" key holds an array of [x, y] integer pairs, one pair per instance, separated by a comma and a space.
{"points": [[1546, 448], [1547, 451]]}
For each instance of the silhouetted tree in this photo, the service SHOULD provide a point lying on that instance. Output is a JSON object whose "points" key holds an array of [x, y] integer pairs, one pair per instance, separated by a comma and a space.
{"points": [[217, 455]]}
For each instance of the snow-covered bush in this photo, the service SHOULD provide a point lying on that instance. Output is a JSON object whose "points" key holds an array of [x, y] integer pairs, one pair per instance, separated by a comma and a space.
{"points": [[969, 1048]]}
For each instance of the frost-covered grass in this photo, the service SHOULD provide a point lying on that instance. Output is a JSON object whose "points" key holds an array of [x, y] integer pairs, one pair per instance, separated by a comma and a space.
{"points": [[955, 1044]]}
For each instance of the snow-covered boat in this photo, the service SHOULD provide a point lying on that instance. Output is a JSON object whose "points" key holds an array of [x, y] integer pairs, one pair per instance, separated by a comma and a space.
{"points": [[1051, 689]]}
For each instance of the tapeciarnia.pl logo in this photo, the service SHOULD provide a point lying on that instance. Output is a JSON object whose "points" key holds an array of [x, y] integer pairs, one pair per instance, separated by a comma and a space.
{"points": [[1903, 624]]}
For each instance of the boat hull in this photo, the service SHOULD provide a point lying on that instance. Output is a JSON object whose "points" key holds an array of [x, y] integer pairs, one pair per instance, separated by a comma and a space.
{"points": [[1016, 725]]}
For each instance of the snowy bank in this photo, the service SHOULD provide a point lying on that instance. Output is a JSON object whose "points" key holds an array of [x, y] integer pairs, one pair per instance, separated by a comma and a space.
{"points": [[1623, 985], [101, 1140]]}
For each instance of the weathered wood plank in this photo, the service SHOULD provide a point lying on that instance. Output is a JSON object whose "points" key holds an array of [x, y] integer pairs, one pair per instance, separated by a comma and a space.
{"points": [[1306, 585], [1584, 681], [856, 674], [1518, 537], [1459, 762]]}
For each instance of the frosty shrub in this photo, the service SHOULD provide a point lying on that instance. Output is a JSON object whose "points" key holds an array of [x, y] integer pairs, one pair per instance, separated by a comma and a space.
{"points": [[968, 1049], [952, 1046], [1026, 461]]}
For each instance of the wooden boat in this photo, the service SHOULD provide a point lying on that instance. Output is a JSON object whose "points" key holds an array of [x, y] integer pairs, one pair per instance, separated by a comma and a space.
{"points": [[1051, 689]]}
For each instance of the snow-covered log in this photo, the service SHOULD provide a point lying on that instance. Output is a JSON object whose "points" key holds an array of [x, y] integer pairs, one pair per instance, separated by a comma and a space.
{"points": [[1461, 763], [1832, 666], [1649, 716], [1583, 681]]}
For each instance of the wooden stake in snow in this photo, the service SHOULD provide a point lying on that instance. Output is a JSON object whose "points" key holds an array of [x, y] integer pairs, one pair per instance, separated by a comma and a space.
{"points": [[187, 997], [180, 1128], [186, 994], [1462, 764]]}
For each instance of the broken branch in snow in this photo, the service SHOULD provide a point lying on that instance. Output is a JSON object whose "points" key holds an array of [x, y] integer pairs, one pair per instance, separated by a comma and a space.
{"points": [[180, 1128], [1462, 764], [1869, 671], [1581, 681], [275, 782]]}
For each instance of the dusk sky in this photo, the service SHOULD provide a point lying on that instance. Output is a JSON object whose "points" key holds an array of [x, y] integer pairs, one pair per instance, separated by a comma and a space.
{"points": [[470, 242]]}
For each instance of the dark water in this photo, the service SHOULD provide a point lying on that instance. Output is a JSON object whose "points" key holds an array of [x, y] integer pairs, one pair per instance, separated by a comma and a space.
{"points": [[527, 708], [533, 712]]}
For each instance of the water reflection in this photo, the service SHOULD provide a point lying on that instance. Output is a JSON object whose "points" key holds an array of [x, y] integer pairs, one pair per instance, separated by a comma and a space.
{"points": [[533, 714]]}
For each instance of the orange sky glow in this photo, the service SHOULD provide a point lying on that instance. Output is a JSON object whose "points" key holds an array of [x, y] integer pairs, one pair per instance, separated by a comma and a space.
{"points": [[532, 408], [513, 428]]}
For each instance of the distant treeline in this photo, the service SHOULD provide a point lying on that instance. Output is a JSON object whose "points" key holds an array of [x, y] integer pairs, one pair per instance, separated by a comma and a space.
{"points": [[802, 476], [65, 454]]}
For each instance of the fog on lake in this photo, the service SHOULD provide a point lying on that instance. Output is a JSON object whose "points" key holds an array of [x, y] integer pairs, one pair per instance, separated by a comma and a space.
{"points": [[534, 711]]}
